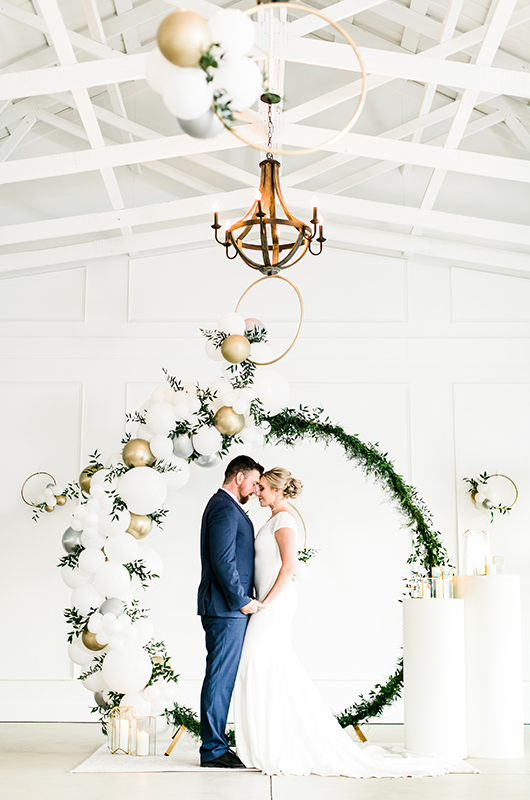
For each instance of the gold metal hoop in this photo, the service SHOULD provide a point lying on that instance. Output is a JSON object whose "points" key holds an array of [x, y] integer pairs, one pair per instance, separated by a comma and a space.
{"points": [[499, 475], [307, 150], [279, 278], [303, 523], [34, 505]]}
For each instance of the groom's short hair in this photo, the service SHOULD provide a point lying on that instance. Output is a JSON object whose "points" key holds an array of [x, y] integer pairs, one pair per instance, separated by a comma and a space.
{"points": [[244, 464]]}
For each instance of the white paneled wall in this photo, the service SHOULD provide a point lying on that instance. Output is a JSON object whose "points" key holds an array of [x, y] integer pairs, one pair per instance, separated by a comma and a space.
{"points": [[430, 361]]}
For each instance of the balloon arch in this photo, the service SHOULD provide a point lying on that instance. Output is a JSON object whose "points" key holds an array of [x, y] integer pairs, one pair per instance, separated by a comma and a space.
{"points": [[108, 563]]}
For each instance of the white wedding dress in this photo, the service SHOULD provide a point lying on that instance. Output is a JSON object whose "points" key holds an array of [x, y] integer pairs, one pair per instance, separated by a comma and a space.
{"points": [[282, 724]]}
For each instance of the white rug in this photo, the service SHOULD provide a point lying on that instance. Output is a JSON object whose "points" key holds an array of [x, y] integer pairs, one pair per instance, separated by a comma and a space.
{"points": [[184, 758]]}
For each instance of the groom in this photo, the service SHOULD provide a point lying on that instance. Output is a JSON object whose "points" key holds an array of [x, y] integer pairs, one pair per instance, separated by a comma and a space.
{"points": [[225, 601]]}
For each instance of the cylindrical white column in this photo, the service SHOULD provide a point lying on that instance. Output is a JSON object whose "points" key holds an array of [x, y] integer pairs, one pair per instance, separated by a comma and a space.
{"points": [[434, 691], [494, 682]]}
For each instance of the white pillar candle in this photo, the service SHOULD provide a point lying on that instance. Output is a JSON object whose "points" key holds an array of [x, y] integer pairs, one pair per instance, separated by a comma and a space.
{"points": [[124, 734], [142, 743]]}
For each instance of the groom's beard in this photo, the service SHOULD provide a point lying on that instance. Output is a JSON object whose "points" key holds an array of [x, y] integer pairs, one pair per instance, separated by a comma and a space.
{"points": [[245, 499]]}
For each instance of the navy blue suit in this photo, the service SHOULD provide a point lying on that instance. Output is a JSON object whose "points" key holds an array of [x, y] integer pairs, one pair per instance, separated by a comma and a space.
{"points": [[227, 557]]}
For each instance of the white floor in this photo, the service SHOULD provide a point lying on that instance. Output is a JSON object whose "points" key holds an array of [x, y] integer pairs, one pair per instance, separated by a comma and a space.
{"points": [[35, 759]]}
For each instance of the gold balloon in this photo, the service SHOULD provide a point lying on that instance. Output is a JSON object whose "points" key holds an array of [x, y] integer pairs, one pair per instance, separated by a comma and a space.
{"points": [[235, 348], [183, 37], [89, 640], [49, 508], [140, 526], [86, 477], [137, 453], [227, 421], [61, 499]]}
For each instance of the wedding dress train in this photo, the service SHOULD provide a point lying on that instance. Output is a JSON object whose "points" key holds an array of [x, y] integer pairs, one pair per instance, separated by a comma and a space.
{"points": [[282, 724]]}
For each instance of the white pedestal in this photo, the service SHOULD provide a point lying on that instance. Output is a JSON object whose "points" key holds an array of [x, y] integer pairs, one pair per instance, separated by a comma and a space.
{"points": [[494, 684], [434, 692]]}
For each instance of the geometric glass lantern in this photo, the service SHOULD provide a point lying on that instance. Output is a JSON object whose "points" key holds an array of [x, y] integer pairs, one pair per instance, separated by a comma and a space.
{"points": [[120, 725], [142, 741]]}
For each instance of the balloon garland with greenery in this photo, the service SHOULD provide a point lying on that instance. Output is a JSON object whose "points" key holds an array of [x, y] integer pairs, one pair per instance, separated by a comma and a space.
{"points": [[107, 564]]}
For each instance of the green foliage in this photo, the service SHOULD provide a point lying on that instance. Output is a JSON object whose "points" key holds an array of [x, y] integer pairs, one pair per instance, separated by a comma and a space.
{"points": [[380, 696], [77, 621], [292, 426], [180, 715], [158, 517], [306, 554], [95, 666], [138, 568], [71, 559]]}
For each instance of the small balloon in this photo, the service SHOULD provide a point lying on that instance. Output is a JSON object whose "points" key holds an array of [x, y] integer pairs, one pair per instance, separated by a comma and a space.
{"points": [[140, 527], [71, 539], [235, 348], [207, 126], [137, 453], [228, 422], [208, 461], [183, 37]]}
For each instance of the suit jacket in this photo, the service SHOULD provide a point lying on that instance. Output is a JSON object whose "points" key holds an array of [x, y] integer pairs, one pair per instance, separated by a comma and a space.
{"points": [[227, 557]]}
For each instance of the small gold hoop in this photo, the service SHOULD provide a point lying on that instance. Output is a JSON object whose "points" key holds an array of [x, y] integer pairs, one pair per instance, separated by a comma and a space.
{"points": [[307, 150], [303, 523], [499, 475], [280, 278], [34, 505]]}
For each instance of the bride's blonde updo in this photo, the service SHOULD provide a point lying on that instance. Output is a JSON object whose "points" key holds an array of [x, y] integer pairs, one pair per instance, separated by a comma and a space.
{"points": [[280, 478]]}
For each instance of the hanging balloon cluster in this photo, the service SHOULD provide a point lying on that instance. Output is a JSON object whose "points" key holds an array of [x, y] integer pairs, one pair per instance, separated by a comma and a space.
{"points": [[202, 70]]}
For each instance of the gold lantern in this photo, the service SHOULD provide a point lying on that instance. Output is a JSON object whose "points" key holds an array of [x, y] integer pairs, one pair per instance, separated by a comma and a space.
{"points": [[119, 727]]}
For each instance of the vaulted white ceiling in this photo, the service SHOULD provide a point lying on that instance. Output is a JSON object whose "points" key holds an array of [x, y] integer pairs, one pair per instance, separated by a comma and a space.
{"points": [[92, 164]]}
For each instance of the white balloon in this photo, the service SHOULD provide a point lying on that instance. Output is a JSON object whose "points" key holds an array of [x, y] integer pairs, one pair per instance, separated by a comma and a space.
{"points": [[207, 441], [161, 418], [220, 387], [91, 520], [85, 597], [260, 351], [92, 542], [102, 637], [138, 702], [240, 81], [90, 561], [181, 411], [78, 653], [207, 126], [194, 405], [240, 406], [161, 446], [143, 489], [158, 395], [76, 524], [153, 560], [187, 94], [157, 70], [80, 511], [182, 446], [112, 579], [144, 630], [95, 623], [232, 323], [213, 352], [110, 526], [272, 389], [178, 478], [229, 398], [95, 682], [143, 432], [72, 577], [114, 460], [127, 669], [122, 548], [248, 434], [233, 31]]}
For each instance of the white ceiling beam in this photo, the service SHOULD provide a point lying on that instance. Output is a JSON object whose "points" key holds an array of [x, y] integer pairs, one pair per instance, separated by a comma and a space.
{"points": [[496, 28], [380, 240], [429, 91], [166, 170], [354, 144], [332, 205], [336, 12], [342, 185], [17, 135]]}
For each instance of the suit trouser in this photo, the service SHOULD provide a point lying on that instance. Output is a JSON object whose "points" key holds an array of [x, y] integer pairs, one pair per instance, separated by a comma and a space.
{"points": [[224, 642]]}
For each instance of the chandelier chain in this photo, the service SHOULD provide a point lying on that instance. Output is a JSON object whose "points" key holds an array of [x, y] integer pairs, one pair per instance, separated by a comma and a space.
{"points": [[271, 132]]}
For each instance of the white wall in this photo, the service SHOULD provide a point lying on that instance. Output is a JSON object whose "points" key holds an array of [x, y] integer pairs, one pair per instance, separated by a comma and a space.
{"points": [[429, 361]]}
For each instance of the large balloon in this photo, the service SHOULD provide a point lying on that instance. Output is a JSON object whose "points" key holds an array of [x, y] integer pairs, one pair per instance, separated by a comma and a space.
{"points": [[72, 577], [122, 548], [233, 31], [207, 441], [112, 580], [188, 96], [85, 597], [178, 478], [90, 561], [78, 653], [143, 489], [138, 702], [127, 669]]}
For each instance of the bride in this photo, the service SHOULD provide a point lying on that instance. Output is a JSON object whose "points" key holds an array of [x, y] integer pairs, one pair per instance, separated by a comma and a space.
{"points": [[282, 724]]}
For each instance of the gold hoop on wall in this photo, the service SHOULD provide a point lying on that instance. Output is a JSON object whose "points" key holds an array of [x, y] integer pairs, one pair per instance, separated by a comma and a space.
{"points": [[33, 475], [279, 278], [307, 150]]}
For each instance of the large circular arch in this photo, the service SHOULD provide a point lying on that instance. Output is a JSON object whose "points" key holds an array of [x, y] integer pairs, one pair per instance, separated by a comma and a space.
{"points": [[290, 427]]}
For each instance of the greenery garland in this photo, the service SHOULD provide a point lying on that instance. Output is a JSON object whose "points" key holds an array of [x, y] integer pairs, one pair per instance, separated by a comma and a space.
{"points": [[291, 426]]}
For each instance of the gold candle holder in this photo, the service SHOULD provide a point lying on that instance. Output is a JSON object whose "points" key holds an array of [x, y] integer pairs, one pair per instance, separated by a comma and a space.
{"points": [[143, 737], [120, 725]]}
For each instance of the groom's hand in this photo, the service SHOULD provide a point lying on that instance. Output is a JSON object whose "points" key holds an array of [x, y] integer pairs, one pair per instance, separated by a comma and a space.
{"points": [[252, 607]]}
